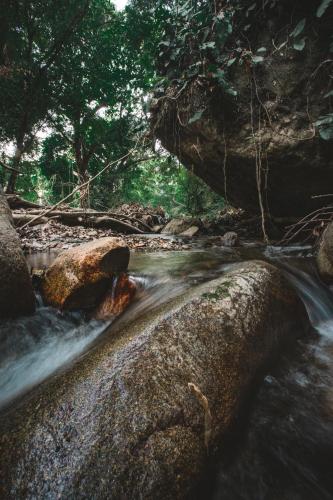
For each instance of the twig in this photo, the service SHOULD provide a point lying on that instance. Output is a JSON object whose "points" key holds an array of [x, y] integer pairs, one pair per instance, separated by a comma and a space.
{"points": [[313, 222], [322, 196]]}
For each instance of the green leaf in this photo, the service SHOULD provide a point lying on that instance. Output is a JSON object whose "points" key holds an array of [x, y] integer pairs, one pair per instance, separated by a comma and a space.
{"points": [[299, 44], [322, 7], [261, 50], [231, 61], [299, 28], [326, 133], [257, 59], [196, 116], [208, 45], [329, 94], [253, 6], [231, 91], [325, 120]]}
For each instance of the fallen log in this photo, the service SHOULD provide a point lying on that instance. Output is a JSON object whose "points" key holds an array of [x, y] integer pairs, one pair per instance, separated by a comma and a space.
{"points": [[21, 219], [116, 224], [14, 201], [16, 293], [78, 219]]}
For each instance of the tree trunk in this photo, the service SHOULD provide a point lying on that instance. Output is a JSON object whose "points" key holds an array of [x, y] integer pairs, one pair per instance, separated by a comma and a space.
{"points": [[16, 293], [15, 164], [84, 191]]}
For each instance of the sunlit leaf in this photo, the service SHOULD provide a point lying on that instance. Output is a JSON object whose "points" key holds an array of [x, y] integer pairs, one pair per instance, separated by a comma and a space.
{"points": [[299, 28], [299, 44], [257, 59], [323, 7], [196, 116]]}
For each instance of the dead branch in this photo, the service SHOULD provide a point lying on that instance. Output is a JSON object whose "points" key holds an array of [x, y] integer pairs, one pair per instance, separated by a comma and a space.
{"points": [[7, 167], [312, 225], [15, 202]]}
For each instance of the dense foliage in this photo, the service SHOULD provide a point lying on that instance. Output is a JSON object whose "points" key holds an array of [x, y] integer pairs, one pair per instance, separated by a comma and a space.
{"points": [[75, 79]]}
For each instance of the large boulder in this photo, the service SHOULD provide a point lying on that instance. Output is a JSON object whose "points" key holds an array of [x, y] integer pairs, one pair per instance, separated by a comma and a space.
{"points": [[325, 255], [137, 417], [16, 293], [80, 276], [178, 226], [259, 149]]}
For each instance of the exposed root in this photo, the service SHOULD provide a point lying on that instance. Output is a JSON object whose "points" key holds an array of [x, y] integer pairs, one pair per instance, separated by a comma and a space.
{"points": [[309, 227]]}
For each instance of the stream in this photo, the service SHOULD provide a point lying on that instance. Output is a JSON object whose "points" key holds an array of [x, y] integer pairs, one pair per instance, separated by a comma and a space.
{"points": [[284, 450]]}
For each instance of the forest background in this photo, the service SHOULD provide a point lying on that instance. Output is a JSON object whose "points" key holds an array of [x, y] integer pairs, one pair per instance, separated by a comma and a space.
{"points": [[76, 79]]}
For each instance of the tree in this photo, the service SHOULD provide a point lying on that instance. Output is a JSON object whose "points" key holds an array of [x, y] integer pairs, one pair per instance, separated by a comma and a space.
{"points": [[102, 81], [34, 36]]}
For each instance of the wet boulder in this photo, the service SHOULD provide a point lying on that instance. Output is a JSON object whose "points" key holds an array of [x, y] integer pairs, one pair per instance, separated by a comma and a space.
{"points": [[117, 298], [325, 255], [230, 239], [140, 414], [80, 276], [16, 293]]}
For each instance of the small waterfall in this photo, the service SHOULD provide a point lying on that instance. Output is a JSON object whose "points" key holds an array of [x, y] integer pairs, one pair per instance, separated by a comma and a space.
{"points": [[32, 348]]}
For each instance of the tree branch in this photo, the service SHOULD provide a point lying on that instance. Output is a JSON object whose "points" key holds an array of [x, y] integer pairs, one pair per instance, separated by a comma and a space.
{"points": [[7, 167]]}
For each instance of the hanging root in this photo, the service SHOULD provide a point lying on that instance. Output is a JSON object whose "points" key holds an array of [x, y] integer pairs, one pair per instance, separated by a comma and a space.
{"points": [[207, 414], [258, 160]]}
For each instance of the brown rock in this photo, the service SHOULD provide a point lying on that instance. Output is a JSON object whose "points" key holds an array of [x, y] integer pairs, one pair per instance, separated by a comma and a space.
{"points": [[177, 226], [80, 276], [117, 298], [190, 232], [157, 228]]}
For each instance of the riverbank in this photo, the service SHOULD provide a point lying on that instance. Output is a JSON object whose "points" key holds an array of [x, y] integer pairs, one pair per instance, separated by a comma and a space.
{"points": [[56, 237]]}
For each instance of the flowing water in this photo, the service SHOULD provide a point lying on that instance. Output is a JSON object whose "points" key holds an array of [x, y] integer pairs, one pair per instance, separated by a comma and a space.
{"points": [[283, 450]]}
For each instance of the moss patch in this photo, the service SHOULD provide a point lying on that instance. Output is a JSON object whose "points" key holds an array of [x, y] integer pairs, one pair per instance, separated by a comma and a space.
{"points": [[220, 292]]}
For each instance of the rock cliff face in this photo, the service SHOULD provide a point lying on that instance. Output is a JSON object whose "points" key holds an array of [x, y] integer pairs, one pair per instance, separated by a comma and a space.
{"points": [[264, 140]]}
